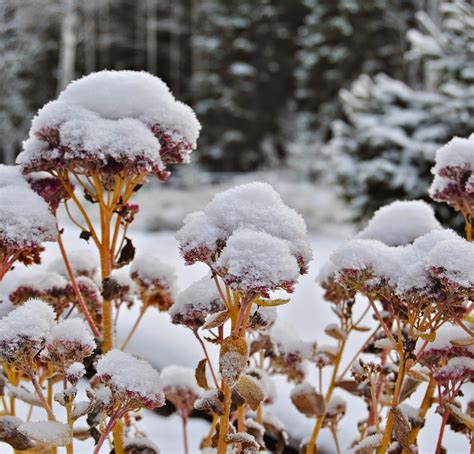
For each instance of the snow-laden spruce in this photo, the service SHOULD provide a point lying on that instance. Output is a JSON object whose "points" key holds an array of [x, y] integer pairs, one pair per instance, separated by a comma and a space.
{"points": [[26, 327], [257, 262], [112, 120], [195, 303], [254, 206], [400, 223], [25, 220], [132, 381]]}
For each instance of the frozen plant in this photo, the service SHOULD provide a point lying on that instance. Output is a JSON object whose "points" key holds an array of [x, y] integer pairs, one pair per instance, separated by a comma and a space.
{"points": [[253, 245], [180, 388], [93, 148], [416, 278], [26, 222]]}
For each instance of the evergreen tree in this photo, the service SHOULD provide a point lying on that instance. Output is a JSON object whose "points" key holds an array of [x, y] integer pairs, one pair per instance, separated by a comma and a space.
{"points": [[384, 147], [340, 40], [244, 55]]}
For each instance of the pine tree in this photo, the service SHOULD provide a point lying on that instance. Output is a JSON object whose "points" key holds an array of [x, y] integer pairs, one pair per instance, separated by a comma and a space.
{"points": [[341, 39], [244, 55], [384, 147]]}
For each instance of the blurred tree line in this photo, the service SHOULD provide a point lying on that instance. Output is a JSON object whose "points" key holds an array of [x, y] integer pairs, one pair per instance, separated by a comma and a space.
{"points": [[356, 93], [249, 67]]}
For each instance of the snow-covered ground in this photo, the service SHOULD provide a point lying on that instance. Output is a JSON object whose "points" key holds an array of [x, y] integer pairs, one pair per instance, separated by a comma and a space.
{"points": [[163, 343]]}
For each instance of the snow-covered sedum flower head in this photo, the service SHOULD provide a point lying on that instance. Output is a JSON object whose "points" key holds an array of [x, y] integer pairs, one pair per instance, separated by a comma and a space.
{"points": [[458, 370], [445, 347], [253, 206], [453, 180], [23, 332], [437, 266], [48, 188], [180, 388], [112, 120], [25, 220], [400, 223], [133, 382], [69, 341], [256, 262], [156, 281], [195, 303]]}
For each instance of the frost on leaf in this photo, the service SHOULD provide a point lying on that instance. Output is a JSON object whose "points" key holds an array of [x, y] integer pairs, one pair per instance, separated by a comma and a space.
{"points": [[50, 433], [251, 390], [307, 400], [10, 434], [233, 359]]}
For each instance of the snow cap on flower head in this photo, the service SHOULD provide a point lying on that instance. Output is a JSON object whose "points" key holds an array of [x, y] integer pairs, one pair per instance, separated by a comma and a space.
{"points": [[180, 387], [116, 119], [400, 223], [69, 341], [254, 206], [195, 303], [155, 279], [134, 381], [257, 262], [25, 329], [453, 180], [25, 220]]}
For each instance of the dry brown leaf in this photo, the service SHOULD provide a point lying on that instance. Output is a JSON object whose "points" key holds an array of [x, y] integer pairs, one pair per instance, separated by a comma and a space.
{"points": [[251, 390]]}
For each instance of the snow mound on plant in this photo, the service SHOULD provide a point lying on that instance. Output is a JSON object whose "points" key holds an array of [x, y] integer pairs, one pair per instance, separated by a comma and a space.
{"points": [[128, 374], [400, 223], [178, 377], [254, 260], [25, 219], [32, 320], [51, 433]]}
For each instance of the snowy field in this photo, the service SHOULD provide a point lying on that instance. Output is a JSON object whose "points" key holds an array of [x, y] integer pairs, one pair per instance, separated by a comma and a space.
{"points": [[163, 343]]}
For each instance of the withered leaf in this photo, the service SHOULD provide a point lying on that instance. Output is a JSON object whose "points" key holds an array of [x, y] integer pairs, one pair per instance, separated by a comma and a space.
{"points": [[351, 386], [465, 342], [401, 428], [251, 390], [110, 288], [233, 359], [430, 337], [127, 253], [271, 302], [216, 320], [201, 378], [466, 420], [362, 329], [334, 332], [10, 434], [309, 402], [408, 388], [85, 235]]}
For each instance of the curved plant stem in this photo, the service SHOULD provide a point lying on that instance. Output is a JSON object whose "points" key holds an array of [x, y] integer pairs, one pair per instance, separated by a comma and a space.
{"points": [[439, 444], [319, 421], [396, 396], [40, 395], [80, 299], [425, 405], [134, 328], [184, 421], [224, 420], [211, 368]]}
